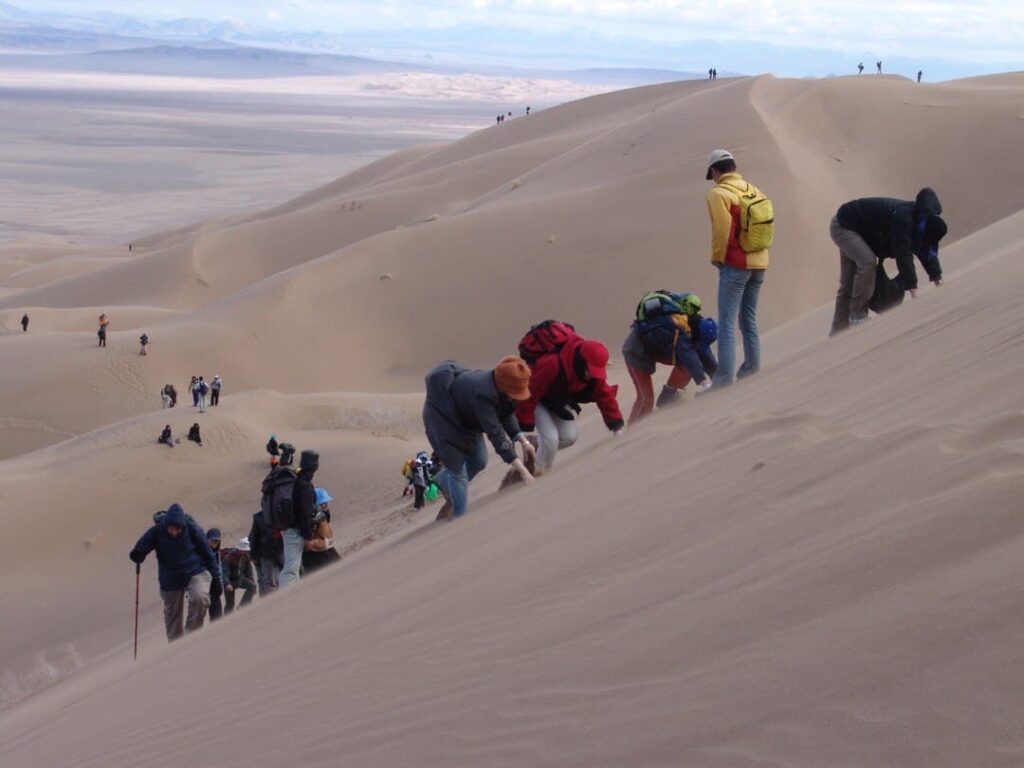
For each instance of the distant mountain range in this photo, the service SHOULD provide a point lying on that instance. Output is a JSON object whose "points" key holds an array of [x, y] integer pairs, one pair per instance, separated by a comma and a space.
{"points": [[581, 55]]}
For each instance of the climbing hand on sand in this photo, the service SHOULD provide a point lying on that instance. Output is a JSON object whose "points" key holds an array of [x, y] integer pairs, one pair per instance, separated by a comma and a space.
{"points": [[524, 473], [528, 450]]}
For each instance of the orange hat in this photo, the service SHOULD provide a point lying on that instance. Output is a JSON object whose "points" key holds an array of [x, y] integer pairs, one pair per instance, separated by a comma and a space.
{"points": [[595, 355], [512, 377]]}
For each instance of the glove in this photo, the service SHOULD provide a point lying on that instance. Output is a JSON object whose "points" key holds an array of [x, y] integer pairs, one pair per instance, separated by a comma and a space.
{"points": [[136, 557], [616, 426]]}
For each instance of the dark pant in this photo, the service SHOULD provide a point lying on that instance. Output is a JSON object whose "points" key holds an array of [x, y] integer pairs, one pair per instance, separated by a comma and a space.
{"points": [[420, 490], [216, 606], [248, 593], [214, 396], [103, 339]]}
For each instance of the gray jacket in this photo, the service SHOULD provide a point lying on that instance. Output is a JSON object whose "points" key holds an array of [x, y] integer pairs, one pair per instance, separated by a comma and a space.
{"points": [[462, 404]]}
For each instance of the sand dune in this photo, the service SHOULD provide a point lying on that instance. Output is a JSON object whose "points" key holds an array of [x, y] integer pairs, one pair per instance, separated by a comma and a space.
{"points": [[819, 566]]}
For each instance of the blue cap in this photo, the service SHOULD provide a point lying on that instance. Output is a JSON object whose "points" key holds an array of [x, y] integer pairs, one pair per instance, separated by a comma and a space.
{"points": [[708, 331], [322, 497], [213, 533]]}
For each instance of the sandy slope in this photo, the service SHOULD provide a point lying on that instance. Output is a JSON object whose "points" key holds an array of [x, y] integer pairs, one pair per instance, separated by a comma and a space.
{"points": [[817, 567]]}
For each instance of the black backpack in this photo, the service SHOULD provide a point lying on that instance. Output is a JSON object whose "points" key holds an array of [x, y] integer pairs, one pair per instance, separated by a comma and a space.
{"points": [[276, 504]]}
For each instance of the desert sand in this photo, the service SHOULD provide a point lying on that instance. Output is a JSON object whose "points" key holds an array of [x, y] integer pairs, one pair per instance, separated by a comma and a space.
{"points": [[819, 566]]}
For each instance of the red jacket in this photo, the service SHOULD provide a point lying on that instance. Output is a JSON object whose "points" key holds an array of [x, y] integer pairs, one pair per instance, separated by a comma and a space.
{"points": [[556, 382]]}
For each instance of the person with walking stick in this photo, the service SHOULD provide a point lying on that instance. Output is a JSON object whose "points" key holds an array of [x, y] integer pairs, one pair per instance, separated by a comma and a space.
{"points": [[186, 565]]}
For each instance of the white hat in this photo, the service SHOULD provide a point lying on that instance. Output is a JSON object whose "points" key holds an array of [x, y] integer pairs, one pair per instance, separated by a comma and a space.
{"points": [[716, 157], [243, 544]]}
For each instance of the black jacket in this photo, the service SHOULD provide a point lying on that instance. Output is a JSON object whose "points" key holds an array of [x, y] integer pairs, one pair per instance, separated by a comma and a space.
{"points": [[460, 405], [181, 557], [889, 227], [303, 504], [264, 542]]}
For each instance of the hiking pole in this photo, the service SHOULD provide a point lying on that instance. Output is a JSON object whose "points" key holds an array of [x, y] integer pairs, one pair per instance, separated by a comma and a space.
{"points": [[138, 577]]}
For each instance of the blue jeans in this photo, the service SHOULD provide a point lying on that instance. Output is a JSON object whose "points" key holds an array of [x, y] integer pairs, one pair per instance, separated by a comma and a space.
{"points": [[738, 291], [459, 469], [294, 546]]}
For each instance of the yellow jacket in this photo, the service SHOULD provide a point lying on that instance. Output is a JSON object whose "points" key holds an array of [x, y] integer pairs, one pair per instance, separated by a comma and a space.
{"points": [[724, 209]]}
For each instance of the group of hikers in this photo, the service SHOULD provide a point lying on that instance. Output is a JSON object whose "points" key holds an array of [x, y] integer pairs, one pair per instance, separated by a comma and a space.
{"points": [[289, 537], [878, 69], [542, 389], [527, 404], [167, 436], [202, 392]]}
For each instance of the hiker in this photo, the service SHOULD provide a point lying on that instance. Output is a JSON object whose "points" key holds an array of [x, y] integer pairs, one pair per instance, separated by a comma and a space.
{"points": [[204, 390], [321, 551], [143, 344], [299, 534], [742, 229], [919, 73], [267, 554], [567, 371], [860, 68], [102, 332], [878, 64], [24, 323], [527, 111], [193, 387], [419, 472], [193, 435], [217, 588], [273, 450], [165, 437], [186, 563], [711, 73], [669, 330], [463, 404], [238, 575], [215, 386], [165, 397], [872, 229], [714, 74]]}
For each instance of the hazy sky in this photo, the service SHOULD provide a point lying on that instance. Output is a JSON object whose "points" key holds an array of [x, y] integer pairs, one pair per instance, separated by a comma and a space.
{"points": [[981, 31]]}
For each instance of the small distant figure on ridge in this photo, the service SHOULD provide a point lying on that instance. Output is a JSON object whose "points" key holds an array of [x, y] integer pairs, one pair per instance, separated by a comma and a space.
{"points": [[203, 390], [878, 65], [860, 68], [215, 387], [919, 74], [102, 332], [143, 344], [24, 322], [714, 74], [194, 436], [527, 110], [711, 73], [165, 437], [275, 454]]}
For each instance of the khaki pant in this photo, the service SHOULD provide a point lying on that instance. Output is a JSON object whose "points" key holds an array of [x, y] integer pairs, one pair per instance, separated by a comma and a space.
{"points": [[856, 276], [198, 601]]}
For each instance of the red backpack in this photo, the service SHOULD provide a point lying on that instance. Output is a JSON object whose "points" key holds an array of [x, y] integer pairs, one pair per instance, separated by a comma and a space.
{"points": [[545, 338]]}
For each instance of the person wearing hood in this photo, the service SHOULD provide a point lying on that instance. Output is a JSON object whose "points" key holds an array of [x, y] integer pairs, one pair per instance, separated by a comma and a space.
{"points": [[186, 565], [166, 437], [321, 551], [871, 229], [560, 382], [461, 406], [215, 387], [217, 588], [195, 436], [24, 323], [273, 450], [299, 536]]}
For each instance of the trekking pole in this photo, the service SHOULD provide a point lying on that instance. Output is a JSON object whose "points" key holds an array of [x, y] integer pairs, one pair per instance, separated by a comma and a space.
{"points": [[138, 577]]}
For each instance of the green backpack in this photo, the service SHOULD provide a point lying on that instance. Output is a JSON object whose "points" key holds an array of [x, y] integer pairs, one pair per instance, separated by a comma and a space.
{"points": [[657, 303], [757, 218]]}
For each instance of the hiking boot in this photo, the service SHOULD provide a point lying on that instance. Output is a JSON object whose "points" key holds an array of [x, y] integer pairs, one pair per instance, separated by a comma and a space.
{"points": [[667, 397]]}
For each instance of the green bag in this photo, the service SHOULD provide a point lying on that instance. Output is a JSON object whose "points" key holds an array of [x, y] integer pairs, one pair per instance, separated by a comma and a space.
{"points": [[431, 493]]}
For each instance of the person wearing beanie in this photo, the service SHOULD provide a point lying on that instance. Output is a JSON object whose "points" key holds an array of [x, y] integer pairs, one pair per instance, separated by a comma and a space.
{"points": [[560, 382], [461, 406], [668, 330], [870, 230], [299, 537], [187, 565], [213, 538]]}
